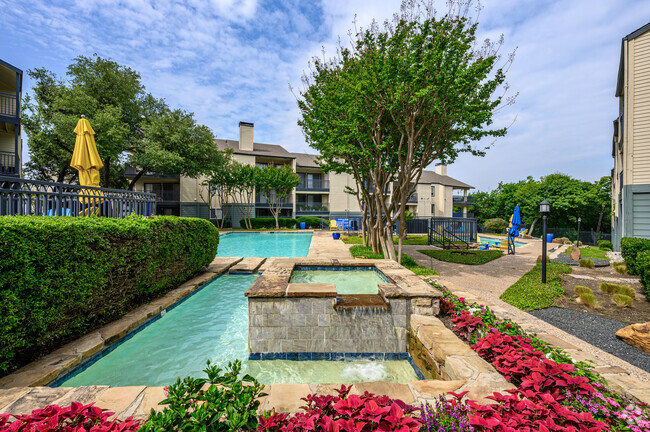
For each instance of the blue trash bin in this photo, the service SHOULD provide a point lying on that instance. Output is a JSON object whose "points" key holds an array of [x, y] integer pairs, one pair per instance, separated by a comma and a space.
{"points": [[336, 236], [549, 238], [302, 225]]}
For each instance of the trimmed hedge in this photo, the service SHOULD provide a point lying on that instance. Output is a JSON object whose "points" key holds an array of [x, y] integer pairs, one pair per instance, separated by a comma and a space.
{"points": [[643, 268], [62, 276], [268, 222], [312, 221], [630, 248]]}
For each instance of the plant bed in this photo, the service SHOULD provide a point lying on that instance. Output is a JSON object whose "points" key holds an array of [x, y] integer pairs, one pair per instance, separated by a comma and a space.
{"points": [[359, 251], [471, 257], [529, 293]]}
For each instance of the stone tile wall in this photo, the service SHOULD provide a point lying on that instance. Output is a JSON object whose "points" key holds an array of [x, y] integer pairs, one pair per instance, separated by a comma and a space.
{"points": [[311, 324]]}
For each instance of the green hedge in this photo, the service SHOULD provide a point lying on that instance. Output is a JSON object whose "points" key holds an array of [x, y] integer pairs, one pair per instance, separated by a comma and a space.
{"points": [[643, 269], [62, 276], [630, 247], [313, 221], [269, 222]]}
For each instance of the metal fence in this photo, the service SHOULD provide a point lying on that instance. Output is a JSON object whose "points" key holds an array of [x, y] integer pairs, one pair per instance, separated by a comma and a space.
{"points": [[452, 232], [587, 235], [417, 226], [32, 197]]}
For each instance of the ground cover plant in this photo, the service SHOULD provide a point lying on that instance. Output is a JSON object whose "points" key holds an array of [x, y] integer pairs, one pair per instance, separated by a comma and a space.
{"points": [[554, 392], [589, 252], [407, 261], [410, 240], [471, 257], [62, 275], [529, 293]]}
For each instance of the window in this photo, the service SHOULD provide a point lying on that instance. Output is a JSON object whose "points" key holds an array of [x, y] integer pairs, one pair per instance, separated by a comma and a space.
{"points": [[164, 191], [433, 209], [433, 190]]}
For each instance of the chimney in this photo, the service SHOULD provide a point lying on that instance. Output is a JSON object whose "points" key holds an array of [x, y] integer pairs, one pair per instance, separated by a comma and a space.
{"points": [[246, 136], [441, 169]]}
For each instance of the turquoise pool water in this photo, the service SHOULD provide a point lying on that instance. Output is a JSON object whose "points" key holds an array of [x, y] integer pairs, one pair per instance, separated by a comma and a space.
{"points": [[494, 242], [361, 280], [264, 244], [213, 324]]}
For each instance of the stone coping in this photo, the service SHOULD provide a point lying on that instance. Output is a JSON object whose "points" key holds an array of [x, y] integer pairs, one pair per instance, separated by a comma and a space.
{"points": [[47, 369], [274, 282]]}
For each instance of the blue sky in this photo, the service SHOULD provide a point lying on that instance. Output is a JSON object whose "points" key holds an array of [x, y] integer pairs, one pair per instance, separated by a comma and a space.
{"points": [[229, 61]]}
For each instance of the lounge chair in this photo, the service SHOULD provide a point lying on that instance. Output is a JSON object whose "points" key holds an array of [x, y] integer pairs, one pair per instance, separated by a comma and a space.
{"points": [[333, 225]]}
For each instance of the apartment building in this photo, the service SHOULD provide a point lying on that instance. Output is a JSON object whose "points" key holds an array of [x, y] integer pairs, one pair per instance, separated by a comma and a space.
{"points": [[11, 143], [631, 140], [319, 194]]}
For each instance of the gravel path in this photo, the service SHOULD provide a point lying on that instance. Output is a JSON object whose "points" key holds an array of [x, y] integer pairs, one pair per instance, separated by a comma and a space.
{"points": [[596, 330], [566, 259]]}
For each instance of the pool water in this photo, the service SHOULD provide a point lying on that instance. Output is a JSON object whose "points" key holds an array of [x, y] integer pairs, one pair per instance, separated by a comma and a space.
{"points": [[350, 281], [213, 324], [264, 244], [494, 242]]}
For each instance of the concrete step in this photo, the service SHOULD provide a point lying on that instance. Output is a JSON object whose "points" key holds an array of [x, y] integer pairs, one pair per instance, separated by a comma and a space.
{"points": [[247, 265]]}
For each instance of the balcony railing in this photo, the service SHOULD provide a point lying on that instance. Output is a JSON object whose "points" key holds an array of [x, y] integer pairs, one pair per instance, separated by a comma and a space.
{"points": [[7, 163], [261, 201], [8, 105], [462, 200], [313, 208], [317, 185], [30, 197]]}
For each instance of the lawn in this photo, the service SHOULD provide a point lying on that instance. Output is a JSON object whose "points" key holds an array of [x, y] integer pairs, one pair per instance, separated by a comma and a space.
{"points": [[529, 293], [407, 261], [472, 257], [590, 252], [411, 240]]}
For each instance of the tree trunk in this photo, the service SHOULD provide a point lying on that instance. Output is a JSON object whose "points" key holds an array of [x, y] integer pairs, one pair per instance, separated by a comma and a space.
{"points": [[135, 179], [107, 172], [62, 174], [600, 221], [532, 227]]}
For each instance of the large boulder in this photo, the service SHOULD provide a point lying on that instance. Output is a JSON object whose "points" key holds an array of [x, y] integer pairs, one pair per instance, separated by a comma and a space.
{"points": [[575, 254], [637, 335]]}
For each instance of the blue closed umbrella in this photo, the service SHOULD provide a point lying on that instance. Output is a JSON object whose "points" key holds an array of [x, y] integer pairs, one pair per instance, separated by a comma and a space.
{"points": [[516, 222]]}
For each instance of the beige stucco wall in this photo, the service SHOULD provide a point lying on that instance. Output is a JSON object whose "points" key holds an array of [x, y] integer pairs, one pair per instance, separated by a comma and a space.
{"points": [[339, 200]]}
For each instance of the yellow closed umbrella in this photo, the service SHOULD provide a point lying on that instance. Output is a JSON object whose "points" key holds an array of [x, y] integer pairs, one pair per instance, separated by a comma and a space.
{"points": [[85, 158]]}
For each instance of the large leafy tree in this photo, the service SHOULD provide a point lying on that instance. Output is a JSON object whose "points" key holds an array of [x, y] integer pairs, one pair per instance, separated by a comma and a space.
{"points": [[132, 127], [276, 184], [403, 95]]}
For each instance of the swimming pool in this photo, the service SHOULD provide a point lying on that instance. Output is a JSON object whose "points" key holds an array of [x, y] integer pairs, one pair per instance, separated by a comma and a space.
{"points": [[495, 242], [213, 324], [348, 280], [264, 244]]}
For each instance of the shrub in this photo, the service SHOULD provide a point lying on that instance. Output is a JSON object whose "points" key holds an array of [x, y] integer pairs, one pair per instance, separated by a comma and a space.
{"points": [[73, 418], [62, 275], [579, 289], [630, 248], [312, 221], [496, 225], [611, 288], [588, 299], [622, 300], [620, 267], [269, 223], [586, 262], [539, 258], [643, 268], [605, 244], [220, 402]]}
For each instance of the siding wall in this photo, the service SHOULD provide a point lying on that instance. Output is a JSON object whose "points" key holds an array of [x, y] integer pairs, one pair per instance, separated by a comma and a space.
{"points": [[640, 104]]}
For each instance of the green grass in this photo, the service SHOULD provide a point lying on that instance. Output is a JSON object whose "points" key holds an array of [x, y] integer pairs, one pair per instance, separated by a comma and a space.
{"points": [[411, 240], [529, 293], [407, 261], [590, 252], [472, 257]]}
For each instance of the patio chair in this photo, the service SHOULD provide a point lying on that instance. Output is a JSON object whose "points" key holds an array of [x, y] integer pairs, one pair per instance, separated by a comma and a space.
{"points": [[334, 226]]}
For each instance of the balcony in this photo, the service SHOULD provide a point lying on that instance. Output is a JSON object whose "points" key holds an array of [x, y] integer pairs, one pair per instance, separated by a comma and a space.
{"points": [[314, 185], [8, 105], [8, 163], [463, 201], [316, 208], [261, 201]]}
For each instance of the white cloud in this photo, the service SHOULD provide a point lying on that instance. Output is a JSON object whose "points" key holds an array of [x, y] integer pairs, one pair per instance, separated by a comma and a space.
{"points": [[232, 60]]}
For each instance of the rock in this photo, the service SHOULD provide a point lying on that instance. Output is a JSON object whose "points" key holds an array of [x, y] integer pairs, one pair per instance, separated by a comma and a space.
{"points": [[637, 335], [575, 254]]}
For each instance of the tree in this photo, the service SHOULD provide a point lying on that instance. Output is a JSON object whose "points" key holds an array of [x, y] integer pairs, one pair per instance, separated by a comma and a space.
{"points": [[132, 126], [402, 96], [276, 184], [243, 189], [220, 184]]}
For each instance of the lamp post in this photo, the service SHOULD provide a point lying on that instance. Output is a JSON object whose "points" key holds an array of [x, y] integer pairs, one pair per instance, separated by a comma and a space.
{"points": [[544, 210], [578, 240]]}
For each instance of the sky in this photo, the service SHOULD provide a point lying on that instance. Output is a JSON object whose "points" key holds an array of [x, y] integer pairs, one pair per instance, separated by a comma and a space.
{"points": [[234, 60]]}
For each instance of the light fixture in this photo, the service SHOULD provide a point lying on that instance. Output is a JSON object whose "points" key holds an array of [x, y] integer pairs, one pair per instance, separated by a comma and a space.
{"points": [[544, 207]]}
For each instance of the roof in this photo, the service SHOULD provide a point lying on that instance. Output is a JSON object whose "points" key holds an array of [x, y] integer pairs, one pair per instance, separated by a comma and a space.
{"points": [[621, 67], [306, 160], [259, 149], [430, 177]]}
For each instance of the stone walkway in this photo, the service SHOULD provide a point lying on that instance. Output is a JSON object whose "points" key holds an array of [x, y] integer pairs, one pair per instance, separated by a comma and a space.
{"points": [[324, 246], [485, 283]]}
